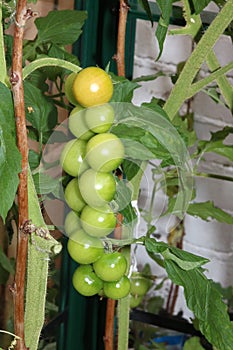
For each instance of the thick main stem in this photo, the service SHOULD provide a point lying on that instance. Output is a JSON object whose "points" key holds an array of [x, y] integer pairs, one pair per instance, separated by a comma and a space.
{"points": [[22, 14]]}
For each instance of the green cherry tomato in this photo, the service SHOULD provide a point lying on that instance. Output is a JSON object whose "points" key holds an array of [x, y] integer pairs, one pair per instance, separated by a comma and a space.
{"points": [[97, 188], [104, 152], [72, 223], [98, 222], [139, 284], [92, 86], [72, 157], [73, 196], [77, 124], [117, 289], [86, 282], [135, 300], [83, 248], [68, 88], [111, 266], [99, 118]]}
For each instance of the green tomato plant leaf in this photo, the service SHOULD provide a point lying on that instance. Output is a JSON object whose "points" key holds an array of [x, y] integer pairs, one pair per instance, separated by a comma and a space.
{"points": [[218, 147], [146, 6], [123, 89], [207, 211], [213, 318], [185, 260], [46, 184], [151, 132], [10, 158], [40, 111], [60, 27], [162, 28]]}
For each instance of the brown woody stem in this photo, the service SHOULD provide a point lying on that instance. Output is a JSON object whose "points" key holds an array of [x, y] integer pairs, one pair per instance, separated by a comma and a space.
{"points": [[120, 56], [22, 14], [109, 325]]}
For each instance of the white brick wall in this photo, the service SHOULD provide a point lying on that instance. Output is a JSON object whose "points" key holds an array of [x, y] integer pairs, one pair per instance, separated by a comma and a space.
{"points": [[210, 239]]}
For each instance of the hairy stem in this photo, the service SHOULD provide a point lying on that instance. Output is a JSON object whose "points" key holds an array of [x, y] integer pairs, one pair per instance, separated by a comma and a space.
{"points": [[223, 83], [46, 62], [22, 14], [193, 64]]}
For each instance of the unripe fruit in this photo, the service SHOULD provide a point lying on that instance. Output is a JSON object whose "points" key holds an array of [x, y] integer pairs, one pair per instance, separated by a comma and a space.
{"points": [[99, 118], [72, 223], [85, 281], [68, 88], [92, 86], [118, 289], [111, 266], [73, 196], [83, 248], [104, 152], [97, 188], [98, 223], [72, 157], [77, 124]]}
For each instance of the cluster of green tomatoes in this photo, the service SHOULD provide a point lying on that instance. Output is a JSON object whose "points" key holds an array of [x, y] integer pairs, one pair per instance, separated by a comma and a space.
{"points": [[91, 158]]}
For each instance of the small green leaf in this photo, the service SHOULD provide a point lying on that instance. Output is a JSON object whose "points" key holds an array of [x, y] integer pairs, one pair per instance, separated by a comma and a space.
{"points": [[161, 31], [60, 27], [10, 158], [207, 211], [217, 147], [185, 260], [146, 6], [123, 89], [40, 112], [46, 184], [206, 303]]}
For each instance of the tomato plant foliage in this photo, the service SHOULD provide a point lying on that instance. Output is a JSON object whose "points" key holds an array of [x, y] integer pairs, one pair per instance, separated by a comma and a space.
{"points": [[146, 133]]}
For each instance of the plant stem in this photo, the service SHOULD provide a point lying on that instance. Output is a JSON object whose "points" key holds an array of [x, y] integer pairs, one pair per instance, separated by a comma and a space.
{"points": [[22, 14], [181, 89], [50, 61], [120, 56], [3, 71], [109, 325], [223, 83], [199, 85]]}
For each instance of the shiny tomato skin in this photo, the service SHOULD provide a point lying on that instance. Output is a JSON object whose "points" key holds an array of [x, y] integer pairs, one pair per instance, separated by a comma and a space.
{"points": [[86, 282], [92, 86], [97, 188], [104, 152], [117, 289], [98, 222], [84, 249], [111, 266], [73, 196], [72, 157], [99, 118], [139, 284]]}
